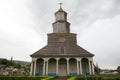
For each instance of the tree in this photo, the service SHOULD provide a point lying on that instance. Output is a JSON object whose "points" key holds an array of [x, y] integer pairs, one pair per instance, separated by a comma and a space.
{"points": [[118, 69]]}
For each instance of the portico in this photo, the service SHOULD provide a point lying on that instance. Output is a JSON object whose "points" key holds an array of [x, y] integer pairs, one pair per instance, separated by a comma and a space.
{"points": [[62, 66]]}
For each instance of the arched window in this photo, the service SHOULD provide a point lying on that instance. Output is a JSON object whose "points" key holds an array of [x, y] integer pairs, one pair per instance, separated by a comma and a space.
{"points": [[62, 50]]}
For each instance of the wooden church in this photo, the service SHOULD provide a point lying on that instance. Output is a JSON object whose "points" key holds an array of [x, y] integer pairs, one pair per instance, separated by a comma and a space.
{"points": [[62, 56]]}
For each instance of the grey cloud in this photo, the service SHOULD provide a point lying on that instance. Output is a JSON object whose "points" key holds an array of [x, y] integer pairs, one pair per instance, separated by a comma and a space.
{"points": [[42, 11], [88, 11]]}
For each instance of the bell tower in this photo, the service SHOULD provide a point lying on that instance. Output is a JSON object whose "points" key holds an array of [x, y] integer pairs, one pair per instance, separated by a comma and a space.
{"points": [[61, 25]]}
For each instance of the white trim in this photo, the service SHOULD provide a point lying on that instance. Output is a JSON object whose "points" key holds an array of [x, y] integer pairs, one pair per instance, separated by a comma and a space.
{"points": [[31, 69], [43, 67], [35, 67], [80, 68], [77, 67], [68, 66], [89, 67]]}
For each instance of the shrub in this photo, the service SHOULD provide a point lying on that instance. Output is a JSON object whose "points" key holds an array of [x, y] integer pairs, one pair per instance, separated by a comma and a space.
{"points": [[91, 78], [48, 78], [20, 78], [80, 78]]}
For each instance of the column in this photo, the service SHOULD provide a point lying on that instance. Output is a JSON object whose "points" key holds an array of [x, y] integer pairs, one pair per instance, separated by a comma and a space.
{"points": [[47, 68], [57, 65], [80, 68], [31, 69], [44, 67], [93, 68], [67, 66], [89, 67], [77, 68], [35, 67]]}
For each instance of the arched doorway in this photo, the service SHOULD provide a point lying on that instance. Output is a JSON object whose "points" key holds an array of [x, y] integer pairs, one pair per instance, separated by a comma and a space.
{"points": [[85, 66], [62, 67], [39, 66], [73, 67], [52, 67]]}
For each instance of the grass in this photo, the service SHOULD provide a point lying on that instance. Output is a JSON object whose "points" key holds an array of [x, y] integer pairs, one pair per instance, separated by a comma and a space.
{"points": [[48, 78], [72, 78]]}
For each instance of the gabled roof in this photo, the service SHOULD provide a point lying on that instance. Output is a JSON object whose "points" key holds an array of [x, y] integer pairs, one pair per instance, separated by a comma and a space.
{"points": [[70, 51]]}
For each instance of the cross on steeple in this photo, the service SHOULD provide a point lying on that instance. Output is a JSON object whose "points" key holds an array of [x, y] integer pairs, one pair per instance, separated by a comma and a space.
{"points": [[60, 6]]}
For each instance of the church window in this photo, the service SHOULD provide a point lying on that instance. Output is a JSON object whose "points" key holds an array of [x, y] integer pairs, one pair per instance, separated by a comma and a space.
{"points": [[62, 50]]}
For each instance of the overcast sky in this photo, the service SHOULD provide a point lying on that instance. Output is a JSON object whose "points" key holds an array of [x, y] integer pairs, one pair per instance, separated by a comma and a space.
{"points": [[24, 25]]}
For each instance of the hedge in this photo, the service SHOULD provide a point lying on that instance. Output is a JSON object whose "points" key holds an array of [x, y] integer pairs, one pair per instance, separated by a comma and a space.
{"points": [[52, 78], [24, 78], [97, 78]]}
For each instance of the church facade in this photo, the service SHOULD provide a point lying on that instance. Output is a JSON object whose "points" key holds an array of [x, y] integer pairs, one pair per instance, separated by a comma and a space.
{"points": [[62, 56]]}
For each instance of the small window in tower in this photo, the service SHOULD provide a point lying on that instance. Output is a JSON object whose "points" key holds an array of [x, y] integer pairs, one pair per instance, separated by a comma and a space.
{"points": [[62, 50]]}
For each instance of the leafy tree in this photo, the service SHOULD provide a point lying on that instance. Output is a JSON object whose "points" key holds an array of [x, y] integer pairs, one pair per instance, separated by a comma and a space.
{"points": [[3, 61]]}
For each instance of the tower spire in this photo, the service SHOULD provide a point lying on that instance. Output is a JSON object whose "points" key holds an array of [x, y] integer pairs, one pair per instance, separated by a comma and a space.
{"points": [[60, 6], [61, 25]]}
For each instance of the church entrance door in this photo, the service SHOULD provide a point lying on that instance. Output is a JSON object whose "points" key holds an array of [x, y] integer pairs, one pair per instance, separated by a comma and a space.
{"points": [[40, 69], [85, 66], [62, 69]]}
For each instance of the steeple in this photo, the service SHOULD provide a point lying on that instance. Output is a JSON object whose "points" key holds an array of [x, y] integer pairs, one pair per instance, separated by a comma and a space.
{"points": [[60, 7], [61, 25]]}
